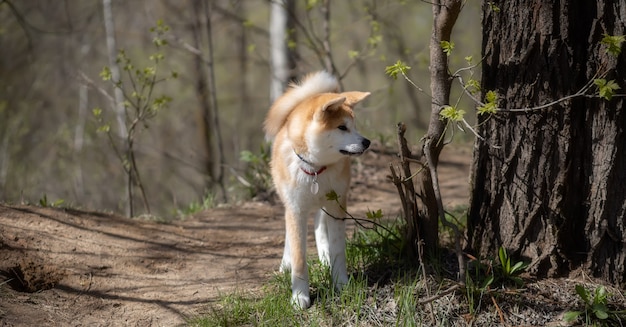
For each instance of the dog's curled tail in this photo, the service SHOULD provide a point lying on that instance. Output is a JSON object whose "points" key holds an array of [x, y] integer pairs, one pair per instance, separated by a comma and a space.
{"points": [[314, 83]]}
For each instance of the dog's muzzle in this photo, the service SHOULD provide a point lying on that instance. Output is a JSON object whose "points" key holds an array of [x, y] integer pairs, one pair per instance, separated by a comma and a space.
{"points": [[357, 149]]}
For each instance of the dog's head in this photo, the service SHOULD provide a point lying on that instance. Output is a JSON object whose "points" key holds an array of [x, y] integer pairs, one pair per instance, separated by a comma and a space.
{"points": [[330, 131]]}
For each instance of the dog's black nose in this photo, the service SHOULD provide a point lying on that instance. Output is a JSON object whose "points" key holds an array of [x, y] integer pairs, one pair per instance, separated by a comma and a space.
{"points": [[366, 143]]}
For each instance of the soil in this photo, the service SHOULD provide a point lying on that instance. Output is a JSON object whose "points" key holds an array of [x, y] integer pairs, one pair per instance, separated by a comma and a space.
{"points": [[70, 267]]}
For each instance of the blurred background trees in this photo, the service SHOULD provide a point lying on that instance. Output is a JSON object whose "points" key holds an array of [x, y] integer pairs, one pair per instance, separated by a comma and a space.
{"points": [[49, 140]]}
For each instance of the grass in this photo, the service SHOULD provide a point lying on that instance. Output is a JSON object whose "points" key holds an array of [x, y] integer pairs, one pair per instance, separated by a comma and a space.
{"points": [[362, 302], [387, 290], [207, 202]]}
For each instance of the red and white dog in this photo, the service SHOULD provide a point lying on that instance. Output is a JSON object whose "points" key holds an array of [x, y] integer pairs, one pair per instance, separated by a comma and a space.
{"points": [[314, 135]]}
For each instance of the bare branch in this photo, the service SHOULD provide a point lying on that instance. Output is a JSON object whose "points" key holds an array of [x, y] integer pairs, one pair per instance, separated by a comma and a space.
{"points": [[441, 294]]}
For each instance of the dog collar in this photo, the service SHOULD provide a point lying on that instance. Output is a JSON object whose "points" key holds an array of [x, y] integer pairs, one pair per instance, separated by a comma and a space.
{"points": [[314, 186], [313, 173], [308, 172]]}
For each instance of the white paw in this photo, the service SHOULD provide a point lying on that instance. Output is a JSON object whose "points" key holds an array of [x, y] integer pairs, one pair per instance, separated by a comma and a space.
{"points": [[300, 301]]}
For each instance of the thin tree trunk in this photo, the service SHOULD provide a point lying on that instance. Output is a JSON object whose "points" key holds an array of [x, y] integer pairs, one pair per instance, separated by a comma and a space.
{"points": [[554, 191], [329, 63], [243, 63], [279, 67], [215, 125], [120, 111], [5, 154], [79, 136], [445, 14], [202, 91]]}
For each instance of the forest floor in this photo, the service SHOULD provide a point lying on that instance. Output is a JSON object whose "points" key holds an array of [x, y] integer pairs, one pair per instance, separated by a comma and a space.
{"points": [[71, 267]]}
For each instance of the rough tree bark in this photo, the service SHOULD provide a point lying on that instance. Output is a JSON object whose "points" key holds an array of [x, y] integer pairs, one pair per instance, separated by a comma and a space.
{"points": [[554, 191]]}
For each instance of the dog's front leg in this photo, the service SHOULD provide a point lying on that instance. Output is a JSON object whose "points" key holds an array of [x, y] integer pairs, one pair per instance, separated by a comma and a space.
{"points": [[332, 229], [296, 228]]}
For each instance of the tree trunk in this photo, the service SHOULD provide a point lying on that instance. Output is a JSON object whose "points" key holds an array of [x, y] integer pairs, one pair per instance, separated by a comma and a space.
{"points": [[445, 13], [202, 91], [212, 87], [120, 111], [282, 57], [327, 58], [550, 185]]}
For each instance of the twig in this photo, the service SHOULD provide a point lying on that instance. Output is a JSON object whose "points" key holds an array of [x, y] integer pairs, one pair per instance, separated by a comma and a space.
{"points": [[358, 221], [440, 294], [582, 92], [498, 309], [84, 79]]}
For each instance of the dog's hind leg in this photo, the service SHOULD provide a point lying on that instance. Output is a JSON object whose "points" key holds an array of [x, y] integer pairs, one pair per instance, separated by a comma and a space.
{"points": [[321, 238]]}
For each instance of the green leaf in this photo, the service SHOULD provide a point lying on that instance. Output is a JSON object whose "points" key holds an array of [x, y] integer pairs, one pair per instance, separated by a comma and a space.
{"points": [[161, 102], [583, 293], [374, 40], [97, 112], [601, 311], [104, 128], [375, 214], [571, 315], [58, 202], [493, 7], [43, 201], [246, 156], [375, 26], [353, 54], [502, 254], [447, 47], [491, 96], [452, 113], [310, 4], [491, 104], [472, 86], [292, 44], [398, 68], [613, 44], [105, 74], [519, 266], [606, 89], [332, 196], [601, 295], [149, 71]]}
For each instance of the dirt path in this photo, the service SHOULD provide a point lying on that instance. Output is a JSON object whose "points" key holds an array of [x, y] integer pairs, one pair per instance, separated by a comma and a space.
{"points": [[106, 270]]}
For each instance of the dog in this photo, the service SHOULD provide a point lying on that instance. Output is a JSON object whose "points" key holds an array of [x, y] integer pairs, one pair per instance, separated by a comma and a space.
{"points": [[314, 135]]}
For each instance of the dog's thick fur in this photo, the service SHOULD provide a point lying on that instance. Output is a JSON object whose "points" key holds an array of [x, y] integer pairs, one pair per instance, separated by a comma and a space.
{"points": [[314, 135]]}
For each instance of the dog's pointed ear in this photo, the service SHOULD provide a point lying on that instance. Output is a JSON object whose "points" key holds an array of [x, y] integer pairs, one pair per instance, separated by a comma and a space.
{"points": [[333, 104], [354, 97]]}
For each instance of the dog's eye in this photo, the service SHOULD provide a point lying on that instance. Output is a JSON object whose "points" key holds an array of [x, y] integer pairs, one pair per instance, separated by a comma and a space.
{"points": [[343, 127]]}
